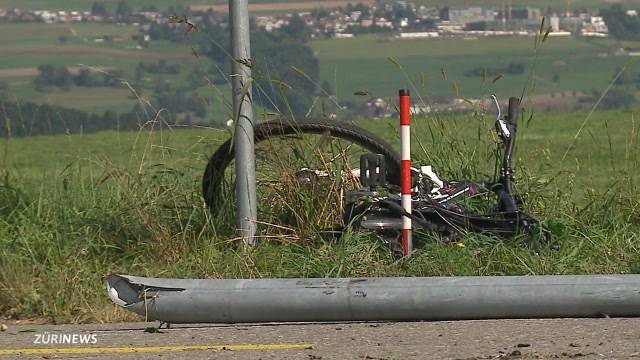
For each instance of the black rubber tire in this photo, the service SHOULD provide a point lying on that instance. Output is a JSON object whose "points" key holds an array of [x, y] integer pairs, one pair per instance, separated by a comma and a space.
{"points": [[224, 155]]}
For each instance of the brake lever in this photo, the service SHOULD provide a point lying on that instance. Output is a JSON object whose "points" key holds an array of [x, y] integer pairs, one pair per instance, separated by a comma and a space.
{"points": [[501, 125]]}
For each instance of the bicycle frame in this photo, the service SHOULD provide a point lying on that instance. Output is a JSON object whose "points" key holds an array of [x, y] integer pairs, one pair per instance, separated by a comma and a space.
{"points": [[434, 209], [508, 137]]}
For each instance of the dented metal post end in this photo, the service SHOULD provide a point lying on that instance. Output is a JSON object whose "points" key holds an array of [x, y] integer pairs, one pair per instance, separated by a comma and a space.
{"points": [[375, 299]]}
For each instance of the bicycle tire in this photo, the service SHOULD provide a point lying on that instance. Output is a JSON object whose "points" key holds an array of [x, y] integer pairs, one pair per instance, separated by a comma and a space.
{"points": [[224, 155]]}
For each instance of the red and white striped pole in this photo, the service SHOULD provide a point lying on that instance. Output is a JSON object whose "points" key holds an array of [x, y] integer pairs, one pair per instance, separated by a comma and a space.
{"points": [[405, 170]]}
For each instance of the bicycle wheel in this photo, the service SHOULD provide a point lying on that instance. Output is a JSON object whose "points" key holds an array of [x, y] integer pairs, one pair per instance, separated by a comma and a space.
{"points": [[303, 169]]}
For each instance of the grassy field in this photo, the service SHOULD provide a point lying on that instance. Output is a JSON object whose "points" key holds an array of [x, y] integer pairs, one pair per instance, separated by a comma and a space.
{"points": [[24, 47], [28, 44], [21, 34], [437, 66], [432, 67], [74, 208]]}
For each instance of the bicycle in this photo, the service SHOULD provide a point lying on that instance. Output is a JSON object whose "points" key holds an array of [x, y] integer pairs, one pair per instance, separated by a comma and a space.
{"points": [[373, 202]]}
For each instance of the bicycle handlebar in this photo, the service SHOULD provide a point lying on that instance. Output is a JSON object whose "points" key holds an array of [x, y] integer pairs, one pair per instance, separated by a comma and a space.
{"points": [[501, 125]]}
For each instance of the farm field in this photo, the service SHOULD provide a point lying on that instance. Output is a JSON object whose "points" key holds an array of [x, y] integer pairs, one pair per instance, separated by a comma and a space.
{"points": [[430, 67], [37, 43], [437, 66], [24, 47]]}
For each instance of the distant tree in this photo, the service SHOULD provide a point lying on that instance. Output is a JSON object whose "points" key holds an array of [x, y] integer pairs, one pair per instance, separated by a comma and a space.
{"points": [[99, 9], [364, 9], [110, 117], [287, 72], [83, 78], [123, 11], [320, 13], [621, 26], [88, 78], [349, 8], [63, 78], [46, 77], [619, 97], [49, 119], [403, 11], [297, 29]]}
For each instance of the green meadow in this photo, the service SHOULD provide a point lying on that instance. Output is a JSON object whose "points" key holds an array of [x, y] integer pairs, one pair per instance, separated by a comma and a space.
{"points": [[375, 65], [436, 67], [77, 207], [24, 47]]}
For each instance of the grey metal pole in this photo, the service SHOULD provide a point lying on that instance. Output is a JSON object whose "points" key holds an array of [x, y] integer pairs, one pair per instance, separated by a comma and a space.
{"points": [[244, 120], [372, 299]]}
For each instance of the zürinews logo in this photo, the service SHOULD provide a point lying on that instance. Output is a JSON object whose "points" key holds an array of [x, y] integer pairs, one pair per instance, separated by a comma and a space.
{"points": [[48, 338]]}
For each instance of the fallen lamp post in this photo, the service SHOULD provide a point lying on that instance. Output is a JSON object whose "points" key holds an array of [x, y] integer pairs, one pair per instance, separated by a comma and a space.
{"points": [[376, 299]]}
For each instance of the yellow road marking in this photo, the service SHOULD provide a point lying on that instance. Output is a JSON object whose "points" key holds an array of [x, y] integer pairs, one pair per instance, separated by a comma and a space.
{"points": [[149, 349]]}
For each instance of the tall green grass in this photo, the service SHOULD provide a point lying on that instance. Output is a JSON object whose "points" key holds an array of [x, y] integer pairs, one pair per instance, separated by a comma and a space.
{"points": [[75, 208]]}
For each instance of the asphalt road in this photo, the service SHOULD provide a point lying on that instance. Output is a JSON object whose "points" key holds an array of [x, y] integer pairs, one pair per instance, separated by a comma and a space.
{"points": [[486, 339]]}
